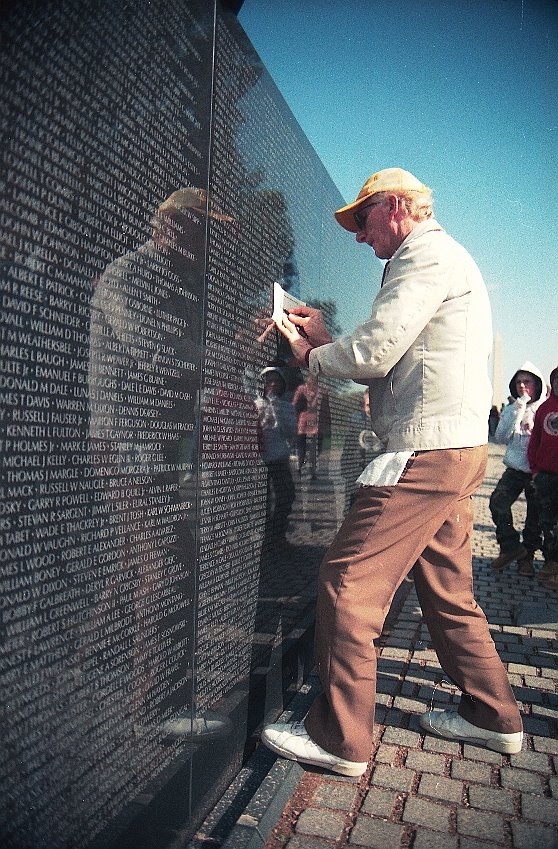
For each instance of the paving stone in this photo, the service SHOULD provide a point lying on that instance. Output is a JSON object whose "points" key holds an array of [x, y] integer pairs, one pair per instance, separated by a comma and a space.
{"points": [[388, 685], [393, 777], [520, 669], [490, 799], [432, 840], [437, 744], [441, 788], [303, 841], [531, 836], [395, 653], [533, 725], [477, 753], [379, 802], [547, 712], [425, 762], [545, 744], [553, 784], [527, 695], [520, 779], [401, 737], [376, 834], [539, 809], [386, 754], [408, 705], [321, 823], [472, 843], [489, 826], [394, 718], [422, 812], [535, 761], [540, 683], [471, 771], [334, 795]]}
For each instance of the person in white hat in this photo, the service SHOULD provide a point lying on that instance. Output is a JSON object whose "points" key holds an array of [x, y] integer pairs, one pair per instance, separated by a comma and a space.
{"points": [[423, 354]]}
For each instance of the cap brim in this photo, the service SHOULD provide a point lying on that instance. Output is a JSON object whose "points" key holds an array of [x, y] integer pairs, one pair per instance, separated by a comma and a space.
{"points": [[346, 215], [219, 216]]}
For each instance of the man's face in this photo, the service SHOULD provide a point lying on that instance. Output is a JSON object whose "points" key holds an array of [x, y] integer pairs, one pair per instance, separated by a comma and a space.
{"points": [[376, 228], [554, 385], [274, 384], [525, 384]]}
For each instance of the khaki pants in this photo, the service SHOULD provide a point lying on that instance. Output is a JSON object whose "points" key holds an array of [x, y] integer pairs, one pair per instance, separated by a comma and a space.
{"points": [[425, 521]]}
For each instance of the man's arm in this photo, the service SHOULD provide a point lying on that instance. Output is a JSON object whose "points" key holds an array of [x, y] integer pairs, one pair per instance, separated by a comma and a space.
{"points": [[416, 285]]}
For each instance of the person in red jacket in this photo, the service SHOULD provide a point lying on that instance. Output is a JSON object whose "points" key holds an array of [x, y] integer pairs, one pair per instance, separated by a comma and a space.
{"points": [[543, 460]]}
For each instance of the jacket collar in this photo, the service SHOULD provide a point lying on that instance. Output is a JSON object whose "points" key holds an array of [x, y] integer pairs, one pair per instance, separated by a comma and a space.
{"points": [[430, 225]]}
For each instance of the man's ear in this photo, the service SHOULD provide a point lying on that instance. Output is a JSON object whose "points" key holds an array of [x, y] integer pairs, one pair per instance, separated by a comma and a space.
{"points": [[394, 205]]}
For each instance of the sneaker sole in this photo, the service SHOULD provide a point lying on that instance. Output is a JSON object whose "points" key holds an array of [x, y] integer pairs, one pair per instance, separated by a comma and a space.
{"points": [[351, 772], [503, 746]]}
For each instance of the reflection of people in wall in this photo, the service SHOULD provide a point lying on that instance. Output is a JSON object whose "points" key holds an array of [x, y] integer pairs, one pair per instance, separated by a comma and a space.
{"points": [[359, 447], [143, 376], [306, 402], [276, 433], [423, 353]]}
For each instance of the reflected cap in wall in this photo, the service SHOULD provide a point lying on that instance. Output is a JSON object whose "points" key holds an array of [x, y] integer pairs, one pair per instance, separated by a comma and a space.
{"points": [[190, 197], [388, 180], [273, 369]]}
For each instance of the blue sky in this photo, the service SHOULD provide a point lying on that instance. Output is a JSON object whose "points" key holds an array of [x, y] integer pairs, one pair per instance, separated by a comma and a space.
{"points": [[463, 93]]}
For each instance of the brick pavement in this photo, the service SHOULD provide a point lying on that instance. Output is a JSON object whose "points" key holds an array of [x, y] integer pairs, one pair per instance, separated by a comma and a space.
{"points": [[422, 792]]}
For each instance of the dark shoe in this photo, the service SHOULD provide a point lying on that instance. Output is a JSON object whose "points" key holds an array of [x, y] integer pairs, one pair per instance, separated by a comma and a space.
{"points": [[525, 566], [507, 557]]}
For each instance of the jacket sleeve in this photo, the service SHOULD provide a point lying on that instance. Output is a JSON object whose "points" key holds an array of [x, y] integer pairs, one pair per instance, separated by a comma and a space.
{"points": [[506, 425], [534, 442], [416, 285]]}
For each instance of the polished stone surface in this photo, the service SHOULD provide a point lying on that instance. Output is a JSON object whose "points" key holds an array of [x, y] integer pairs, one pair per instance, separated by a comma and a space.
{"points": [[165, 501]]}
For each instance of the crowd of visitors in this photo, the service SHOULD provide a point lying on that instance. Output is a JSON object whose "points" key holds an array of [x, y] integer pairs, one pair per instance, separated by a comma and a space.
{"points": [[531, 469]]}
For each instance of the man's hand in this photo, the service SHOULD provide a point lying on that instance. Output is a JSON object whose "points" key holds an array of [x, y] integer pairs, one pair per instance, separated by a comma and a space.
{"points": [[304, 329], [310, 321], [299, 344]]}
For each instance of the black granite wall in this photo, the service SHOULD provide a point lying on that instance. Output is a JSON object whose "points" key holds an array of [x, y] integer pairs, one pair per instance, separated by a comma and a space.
{"points": [[164, 505]]}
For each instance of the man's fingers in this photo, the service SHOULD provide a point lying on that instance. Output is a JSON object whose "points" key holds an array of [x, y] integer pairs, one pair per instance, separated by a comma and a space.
{"points": [[299, 320], [302, 311]]}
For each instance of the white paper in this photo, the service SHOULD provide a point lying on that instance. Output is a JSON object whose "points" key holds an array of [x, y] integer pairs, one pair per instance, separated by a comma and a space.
{"points": [[386, 469], [283, 302]]}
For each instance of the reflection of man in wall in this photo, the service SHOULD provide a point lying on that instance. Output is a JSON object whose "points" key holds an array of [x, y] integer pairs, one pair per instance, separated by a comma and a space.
{"points": [[277, 432], [306, 401], [145, 349]]}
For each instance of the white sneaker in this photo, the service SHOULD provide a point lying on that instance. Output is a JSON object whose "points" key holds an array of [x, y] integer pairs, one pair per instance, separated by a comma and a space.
{"points": [[448, 723], [291, 740]]}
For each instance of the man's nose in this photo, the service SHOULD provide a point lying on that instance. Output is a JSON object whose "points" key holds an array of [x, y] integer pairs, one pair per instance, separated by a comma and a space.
{"points": [[360, 236]]}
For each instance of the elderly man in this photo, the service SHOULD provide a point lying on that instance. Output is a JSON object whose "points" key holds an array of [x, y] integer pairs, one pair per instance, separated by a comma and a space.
{"points": [[423, 354]]}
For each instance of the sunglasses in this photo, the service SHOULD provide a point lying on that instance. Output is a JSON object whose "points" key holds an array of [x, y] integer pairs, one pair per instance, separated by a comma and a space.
{"points": [[360, 217]]}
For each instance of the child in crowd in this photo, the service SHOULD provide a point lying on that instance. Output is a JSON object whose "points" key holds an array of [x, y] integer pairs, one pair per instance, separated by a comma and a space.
{"points": [[514, 430], [543, 459]]}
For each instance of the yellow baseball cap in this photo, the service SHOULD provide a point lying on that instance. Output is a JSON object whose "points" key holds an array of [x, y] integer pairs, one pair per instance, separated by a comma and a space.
{"points": [[388, 180]]}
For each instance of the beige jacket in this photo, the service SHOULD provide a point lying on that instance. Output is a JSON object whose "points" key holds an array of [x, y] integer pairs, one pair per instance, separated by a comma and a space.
{"points": [[424, 350]]}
